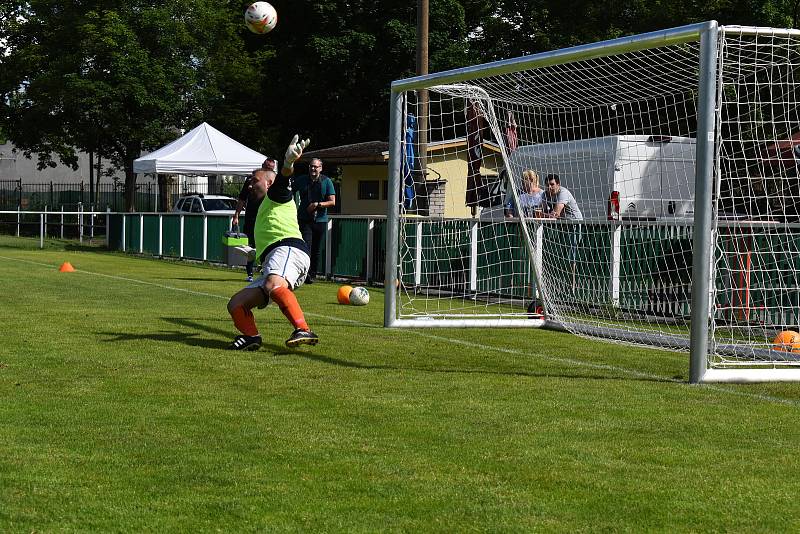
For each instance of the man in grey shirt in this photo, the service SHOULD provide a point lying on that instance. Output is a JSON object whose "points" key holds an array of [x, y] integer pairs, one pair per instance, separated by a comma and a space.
{"points": [[559, 202]]}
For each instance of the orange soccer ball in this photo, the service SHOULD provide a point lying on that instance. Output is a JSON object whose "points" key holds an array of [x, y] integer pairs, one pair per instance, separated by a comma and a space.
{"points": [[787, 341], [343, 296]]}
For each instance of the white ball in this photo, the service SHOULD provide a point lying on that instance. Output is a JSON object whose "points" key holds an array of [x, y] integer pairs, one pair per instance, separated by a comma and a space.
{"points": [[260, 17], [359, 296]]}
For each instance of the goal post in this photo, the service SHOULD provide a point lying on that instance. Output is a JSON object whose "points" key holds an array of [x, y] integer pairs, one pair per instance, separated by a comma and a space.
{"points": [[647, 227]]}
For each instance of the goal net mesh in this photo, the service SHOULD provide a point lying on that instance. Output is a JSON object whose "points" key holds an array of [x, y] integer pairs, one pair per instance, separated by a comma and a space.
{"points": [[757, 251], [603, 245]]}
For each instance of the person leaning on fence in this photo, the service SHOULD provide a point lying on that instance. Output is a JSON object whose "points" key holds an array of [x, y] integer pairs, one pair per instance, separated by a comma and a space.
{"points": [[284, 256], [530, 198], [250, 200], [559, 203]]}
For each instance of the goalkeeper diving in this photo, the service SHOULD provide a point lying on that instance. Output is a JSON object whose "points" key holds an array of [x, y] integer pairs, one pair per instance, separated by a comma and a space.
{"points": [[283, 254]]}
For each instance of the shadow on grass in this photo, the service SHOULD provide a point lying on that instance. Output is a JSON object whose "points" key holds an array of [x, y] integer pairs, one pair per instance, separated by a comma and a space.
{"points": [[191, 339], [227, 334], [468, 371], [86, 247], [196, 279], [201, 327], [591, 372]]}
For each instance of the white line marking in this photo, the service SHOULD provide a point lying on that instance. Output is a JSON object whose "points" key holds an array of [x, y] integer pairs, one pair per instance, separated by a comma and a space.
{"points": [[515, 352]]}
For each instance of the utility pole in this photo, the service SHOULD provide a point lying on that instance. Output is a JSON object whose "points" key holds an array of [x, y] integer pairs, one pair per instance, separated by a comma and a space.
{"points": [[422, 68]]}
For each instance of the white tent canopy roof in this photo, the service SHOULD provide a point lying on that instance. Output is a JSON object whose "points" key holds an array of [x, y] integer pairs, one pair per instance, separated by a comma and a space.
{"points": [[203, 150]]}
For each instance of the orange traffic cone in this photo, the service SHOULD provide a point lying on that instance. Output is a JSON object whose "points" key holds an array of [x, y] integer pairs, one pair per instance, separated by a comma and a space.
{"points": [[66, 267]]}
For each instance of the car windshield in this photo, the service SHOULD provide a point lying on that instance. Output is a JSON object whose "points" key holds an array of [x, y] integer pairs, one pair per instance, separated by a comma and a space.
{"points": [[214, 204]]}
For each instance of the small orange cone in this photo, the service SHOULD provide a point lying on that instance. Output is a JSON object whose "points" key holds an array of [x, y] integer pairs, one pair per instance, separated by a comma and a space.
{"points": [[66, 267]]}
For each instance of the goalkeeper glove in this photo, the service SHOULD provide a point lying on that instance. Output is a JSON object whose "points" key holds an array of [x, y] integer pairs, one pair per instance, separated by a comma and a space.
{"points": [[295, 150]]}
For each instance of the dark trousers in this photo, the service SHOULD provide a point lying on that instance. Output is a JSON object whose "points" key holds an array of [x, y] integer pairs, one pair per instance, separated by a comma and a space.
{"points": [[313, 234], [249, 229]]}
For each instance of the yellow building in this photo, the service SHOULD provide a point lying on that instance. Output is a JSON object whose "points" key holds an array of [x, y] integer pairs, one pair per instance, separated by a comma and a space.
{"points": [[364, 177]]}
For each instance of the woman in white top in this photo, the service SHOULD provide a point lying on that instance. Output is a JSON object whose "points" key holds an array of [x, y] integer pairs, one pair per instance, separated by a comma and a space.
{"points": [[530, 198]]}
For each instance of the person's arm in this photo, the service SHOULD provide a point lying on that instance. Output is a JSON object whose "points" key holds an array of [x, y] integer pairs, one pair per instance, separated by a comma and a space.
{"points": [[239, 207], [557, 211], [281, 190], [293, 152], [241, 200], [329, 195], [329, 203]]}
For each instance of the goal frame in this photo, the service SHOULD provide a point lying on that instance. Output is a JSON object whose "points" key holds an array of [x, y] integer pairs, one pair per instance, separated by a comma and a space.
{"points": [[707, 170]]}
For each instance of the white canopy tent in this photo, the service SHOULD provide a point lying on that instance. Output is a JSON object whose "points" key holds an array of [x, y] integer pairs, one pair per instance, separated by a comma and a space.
{"points": [[203, 150]]}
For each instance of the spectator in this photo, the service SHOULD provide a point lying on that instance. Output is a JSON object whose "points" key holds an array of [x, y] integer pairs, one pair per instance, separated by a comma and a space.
{"points": [[560, 204], [316, 195], [250, 200], [530, 198]]}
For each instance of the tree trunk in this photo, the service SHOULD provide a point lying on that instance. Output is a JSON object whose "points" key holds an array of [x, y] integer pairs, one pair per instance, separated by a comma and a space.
{"points": [[129, 193], [132, 151], [97, 175], [91, 178], [164, 192]]}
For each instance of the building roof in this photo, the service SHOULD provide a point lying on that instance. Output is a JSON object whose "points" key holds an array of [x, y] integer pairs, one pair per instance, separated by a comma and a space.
{"points": [[369, 152], [377, 152]]}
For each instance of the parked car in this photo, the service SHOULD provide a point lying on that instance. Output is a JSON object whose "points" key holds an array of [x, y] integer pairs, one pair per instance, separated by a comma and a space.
{"points": [[208, 204]]}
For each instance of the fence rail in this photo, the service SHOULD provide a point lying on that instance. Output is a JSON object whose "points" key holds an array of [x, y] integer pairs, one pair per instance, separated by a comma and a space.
{"points": [[150, 196], [80, 224], [355, 247]]}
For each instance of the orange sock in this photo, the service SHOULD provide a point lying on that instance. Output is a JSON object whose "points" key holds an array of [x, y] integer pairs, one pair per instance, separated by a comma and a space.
{"points": [[244, 321], [288, 304]]}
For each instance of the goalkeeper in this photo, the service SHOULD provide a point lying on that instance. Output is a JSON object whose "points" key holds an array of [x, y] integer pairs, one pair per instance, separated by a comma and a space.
{"points": [[284, 257]]}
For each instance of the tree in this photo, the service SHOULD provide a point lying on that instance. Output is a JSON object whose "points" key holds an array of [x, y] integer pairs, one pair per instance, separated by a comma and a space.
{"points": [[502, 29], [117, 78], [336, 59]]}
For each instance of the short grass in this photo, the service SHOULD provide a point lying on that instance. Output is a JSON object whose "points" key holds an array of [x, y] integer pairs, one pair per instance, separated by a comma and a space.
{"points": [[121, 412]]}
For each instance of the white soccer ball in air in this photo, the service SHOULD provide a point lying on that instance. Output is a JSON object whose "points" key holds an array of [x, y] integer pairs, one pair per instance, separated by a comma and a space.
{"points": [[260, 17], [359, 296]]}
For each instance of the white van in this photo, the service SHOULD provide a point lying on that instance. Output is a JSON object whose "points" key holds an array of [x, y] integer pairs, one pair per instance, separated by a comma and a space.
{"points": [[618, 176]]}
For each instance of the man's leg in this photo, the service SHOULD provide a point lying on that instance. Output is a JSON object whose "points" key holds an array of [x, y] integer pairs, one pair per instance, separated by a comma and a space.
{"points": [[292, 264], [240, 309], [251, 240], [290, 307], [307, 231], [318, 234]]}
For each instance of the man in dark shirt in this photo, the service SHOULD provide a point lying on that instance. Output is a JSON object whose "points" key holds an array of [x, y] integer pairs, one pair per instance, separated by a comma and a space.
{"points": [[250, 199], [317, 194]]}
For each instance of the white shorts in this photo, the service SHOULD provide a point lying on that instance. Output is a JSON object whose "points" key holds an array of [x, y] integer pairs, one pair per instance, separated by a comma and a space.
{"points": [[289, 263]]}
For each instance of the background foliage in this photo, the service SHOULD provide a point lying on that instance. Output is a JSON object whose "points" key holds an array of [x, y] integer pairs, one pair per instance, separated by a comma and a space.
{"points": [[116, 78]]}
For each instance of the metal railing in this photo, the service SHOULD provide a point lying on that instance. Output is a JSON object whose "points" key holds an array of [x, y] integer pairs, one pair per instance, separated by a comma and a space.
{"points": [[150, 196], [62, 224]]}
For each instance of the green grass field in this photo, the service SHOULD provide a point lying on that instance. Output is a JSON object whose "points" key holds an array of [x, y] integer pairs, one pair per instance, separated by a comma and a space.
{"points": [[122, 412]]}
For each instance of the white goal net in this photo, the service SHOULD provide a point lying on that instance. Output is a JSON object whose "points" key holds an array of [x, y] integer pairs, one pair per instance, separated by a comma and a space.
{"points": [[559, 189]]}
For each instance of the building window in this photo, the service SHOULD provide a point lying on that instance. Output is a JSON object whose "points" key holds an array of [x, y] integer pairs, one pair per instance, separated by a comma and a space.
{"points": [[368, 189], [385, 190]]}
